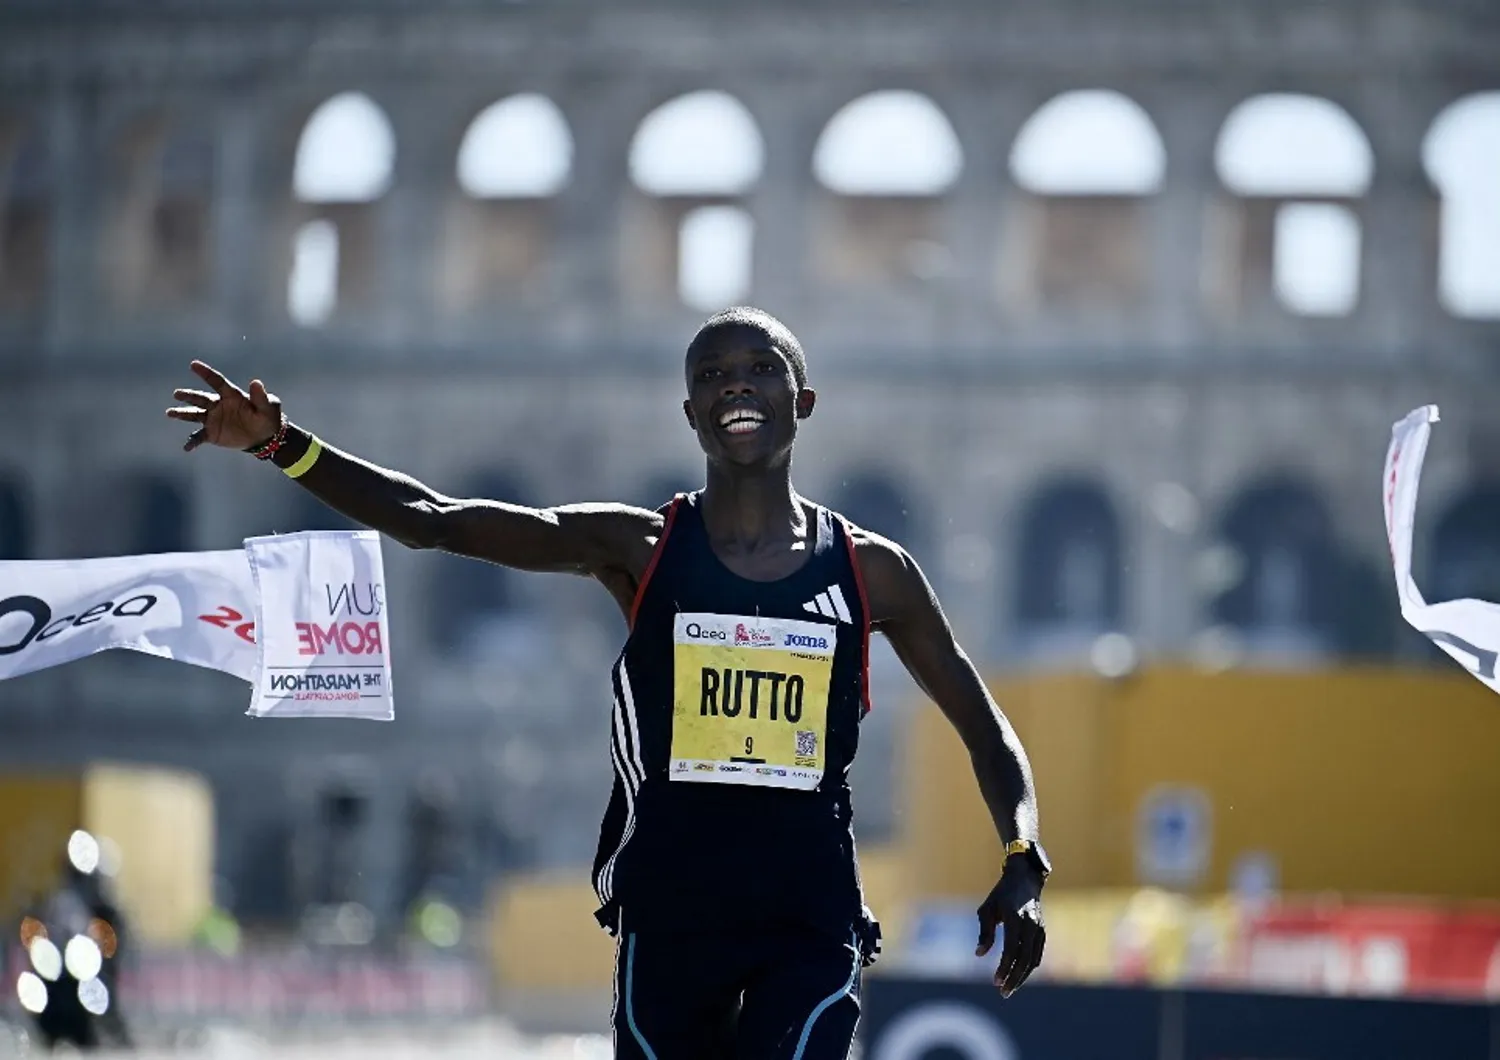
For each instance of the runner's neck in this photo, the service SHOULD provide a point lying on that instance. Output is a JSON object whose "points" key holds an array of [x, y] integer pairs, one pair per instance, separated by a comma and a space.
{"points": [[745, 513]]}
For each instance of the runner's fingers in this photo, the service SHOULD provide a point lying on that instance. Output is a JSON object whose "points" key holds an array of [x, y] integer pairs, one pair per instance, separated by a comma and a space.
{"points": [[196, 397], [258, 396], [1033, 958], [190, 415], [221, 386], [986, 930], [194, 440], [1010, 952], [1025, 954]]}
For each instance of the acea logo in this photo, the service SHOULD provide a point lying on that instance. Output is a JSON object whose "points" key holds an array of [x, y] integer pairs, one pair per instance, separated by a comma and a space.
{"points": [[697, 632], [749, 636], [797, 640]]}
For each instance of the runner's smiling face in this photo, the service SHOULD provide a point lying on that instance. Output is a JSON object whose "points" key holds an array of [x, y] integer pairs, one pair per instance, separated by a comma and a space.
{"points": [[743, 398]]}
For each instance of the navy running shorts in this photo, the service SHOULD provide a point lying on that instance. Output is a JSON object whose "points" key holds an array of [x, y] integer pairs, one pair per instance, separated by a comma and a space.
{"points": [[772, 995]]}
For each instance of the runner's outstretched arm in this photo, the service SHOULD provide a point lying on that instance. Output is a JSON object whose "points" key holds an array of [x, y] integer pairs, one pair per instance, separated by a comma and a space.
{"points": [[609, 541], [904, 608]]}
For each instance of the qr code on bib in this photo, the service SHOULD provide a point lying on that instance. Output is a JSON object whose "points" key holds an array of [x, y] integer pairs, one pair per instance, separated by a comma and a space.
{"points": [[807, 743]]}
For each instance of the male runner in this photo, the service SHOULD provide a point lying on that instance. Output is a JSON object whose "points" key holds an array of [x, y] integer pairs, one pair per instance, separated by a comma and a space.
{"points": [[726, 866]]}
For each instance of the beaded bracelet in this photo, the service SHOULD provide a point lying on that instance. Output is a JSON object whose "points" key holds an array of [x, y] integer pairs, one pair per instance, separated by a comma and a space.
{"points": [[267, 449]]}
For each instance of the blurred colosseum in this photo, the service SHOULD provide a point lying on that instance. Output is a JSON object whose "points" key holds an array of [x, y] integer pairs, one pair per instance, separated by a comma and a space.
{"points": [[1111, 308]]}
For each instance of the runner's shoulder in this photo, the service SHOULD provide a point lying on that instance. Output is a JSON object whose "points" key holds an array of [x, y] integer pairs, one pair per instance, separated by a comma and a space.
{"points": [[882, 562]]}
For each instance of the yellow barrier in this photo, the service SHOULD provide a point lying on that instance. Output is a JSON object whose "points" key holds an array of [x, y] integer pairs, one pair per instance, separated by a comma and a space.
{"points": [[161, 822], [1363, 782], [543, 935]]}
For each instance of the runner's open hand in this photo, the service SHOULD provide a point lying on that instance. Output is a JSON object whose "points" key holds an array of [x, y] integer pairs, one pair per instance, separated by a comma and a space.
{"points": [[1015, 905], [228, 417]]}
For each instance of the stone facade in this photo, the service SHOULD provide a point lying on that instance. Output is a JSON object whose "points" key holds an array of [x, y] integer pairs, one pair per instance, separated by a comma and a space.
{"points": [[1111, 373]]}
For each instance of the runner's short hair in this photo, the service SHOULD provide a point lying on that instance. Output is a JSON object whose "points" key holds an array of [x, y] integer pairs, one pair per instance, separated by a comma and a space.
{"points": [[777, 334]]}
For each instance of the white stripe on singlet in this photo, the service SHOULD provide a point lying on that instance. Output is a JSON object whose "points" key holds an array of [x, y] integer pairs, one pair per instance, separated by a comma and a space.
{"points": [[625, 750]]}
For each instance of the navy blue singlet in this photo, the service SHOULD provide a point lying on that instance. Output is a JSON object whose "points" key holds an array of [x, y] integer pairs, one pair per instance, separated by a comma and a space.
{"points": [[737, 706]]}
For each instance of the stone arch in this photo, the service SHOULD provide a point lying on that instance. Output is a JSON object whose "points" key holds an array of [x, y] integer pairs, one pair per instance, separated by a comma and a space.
{"points": [[25, 213], [885, 160], [519, 147], [1069, 562], [689, 235], [1464, 555], [515, 157], [157, 251], [1461, 153], [1297, 166], [344, 163], [1285, 557], [889, 143], [1086, 160], [1089, 142]]}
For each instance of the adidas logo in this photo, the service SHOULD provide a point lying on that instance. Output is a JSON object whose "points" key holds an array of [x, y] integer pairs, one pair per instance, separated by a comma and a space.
{"points": [[830, 604]]}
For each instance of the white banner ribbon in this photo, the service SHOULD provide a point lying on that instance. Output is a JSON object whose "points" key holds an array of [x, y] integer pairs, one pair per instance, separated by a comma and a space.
{"points": [[194, 607], [1468, 630], [320, 595], [321, 625]]}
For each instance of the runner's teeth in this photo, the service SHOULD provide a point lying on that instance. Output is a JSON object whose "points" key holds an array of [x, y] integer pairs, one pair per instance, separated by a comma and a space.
{"points": [[744, 419]]}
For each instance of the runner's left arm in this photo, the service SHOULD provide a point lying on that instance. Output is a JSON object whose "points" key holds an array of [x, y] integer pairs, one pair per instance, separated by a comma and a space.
{"points": [[904, 608]]}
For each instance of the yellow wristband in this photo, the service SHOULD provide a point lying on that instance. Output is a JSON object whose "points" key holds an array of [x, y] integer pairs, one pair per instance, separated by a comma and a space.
{"points": [[307, 460]]}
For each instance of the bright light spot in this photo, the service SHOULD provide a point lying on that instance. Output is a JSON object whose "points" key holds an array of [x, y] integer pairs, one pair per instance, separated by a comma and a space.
{"points": [[1383, 965], [31, 928], [1113, 655], [46, 959], [440, 924], [1316, 267], [32, 992], [221, 933], [703, 143], [83, 851], [888, 143], [345, 153], [714, 257], [1283, 144], [517, 148], [94, 996], [1090, 142], [1175, 507], [82, 958], [313, 286], [1462, 157], [354, 924]]}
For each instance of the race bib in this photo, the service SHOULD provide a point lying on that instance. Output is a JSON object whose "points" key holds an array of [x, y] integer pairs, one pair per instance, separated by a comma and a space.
{"points": [[751, 700]]}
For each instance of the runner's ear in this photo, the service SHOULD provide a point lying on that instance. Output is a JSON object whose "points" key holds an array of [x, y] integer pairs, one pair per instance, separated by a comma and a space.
{"points": [[806, 399], [687, 410]]}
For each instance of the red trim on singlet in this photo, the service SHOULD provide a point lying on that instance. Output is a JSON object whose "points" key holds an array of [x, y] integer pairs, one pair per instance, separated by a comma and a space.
{"points": [[661, 543], [864, 606]]}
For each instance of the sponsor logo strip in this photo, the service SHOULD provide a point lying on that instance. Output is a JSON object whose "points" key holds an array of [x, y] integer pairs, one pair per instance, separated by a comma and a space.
{"points": [[702, 772], [736, 631]]}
